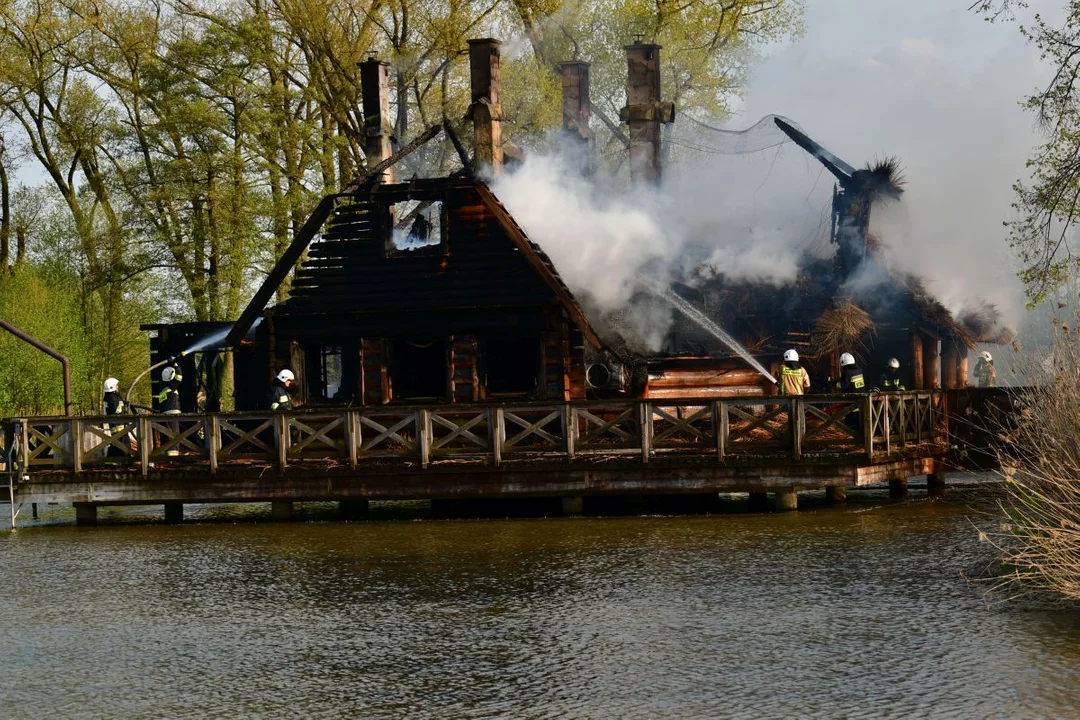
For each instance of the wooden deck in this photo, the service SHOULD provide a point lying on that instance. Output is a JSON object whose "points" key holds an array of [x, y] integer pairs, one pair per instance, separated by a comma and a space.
{"points": [[478, 451]]}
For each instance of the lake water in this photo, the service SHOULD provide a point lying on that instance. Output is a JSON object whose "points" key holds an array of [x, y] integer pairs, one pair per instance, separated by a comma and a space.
{"points": [[860, 611]]}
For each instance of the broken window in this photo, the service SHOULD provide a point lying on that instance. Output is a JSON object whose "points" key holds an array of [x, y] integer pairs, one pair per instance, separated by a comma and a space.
{"points": [[417, 229], [329, 366], [511, 364], [418, 369]]}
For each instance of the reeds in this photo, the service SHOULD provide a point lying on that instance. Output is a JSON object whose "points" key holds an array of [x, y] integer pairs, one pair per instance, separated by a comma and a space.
{"points": [[1039, 449]]}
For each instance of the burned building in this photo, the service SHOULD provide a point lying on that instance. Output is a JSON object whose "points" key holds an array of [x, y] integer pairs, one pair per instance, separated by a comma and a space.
{"points": [[419, 291], [428, 291], [468, 310]]}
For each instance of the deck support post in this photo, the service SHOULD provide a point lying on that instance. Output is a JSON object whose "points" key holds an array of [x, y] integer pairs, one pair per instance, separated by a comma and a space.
{"points": [[898, 487], [281, 510], [759, 501], [85, 514], [836, 494], [935, 483], [353, 509], [573, 504], [174, 513], [787, 499]]}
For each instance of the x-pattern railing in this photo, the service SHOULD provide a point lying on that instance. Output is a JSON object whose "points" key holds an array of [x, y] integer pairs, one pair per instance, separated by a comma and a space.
{"points": [[683, 426], [532, 430], [792, 427], [453, 431], [607, 429]]}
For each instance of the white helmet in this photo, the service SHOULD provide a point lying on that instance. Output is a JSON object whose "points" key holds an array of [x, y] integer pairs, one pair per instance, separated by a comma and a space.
{"points": [[286, 375], [168, 374], [112, 384], [791, 356], [846, 359], [894, 363], [987, 356]]}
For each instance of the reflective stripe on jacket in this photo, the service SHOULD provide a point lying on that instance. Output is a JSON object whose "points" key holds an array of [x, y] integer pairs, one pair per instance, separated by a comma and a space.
{"points": [[794, 381], [891, 382], [169, 399], [279, 400]]}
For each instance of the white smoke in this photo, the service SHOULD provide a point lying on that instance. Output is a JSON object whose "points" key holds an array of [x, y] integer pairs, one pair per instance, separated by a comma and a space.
{"points": [[598, 241], [723, 217], [939, 88], [935, 86]]}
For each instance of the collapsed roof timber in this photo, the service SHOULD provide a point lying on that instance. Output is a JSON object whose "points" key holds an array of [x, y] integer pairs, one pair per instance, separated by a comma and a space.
{"points": [[429, 290]]}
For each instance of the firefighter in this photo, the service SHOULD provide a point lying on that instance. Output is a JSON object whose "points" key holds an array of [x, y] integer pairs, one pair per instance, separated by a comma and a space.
{"points": [[168, 401], [985, 372], [114, 405], [891, 379], [113, 401], [852, 380], [279, 399], [794, 380]]}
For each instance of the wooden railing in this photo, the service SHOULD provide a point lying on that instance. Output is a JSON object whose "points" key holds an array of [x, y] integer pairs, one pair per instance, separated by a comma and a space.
{"points": [[794, 429]]}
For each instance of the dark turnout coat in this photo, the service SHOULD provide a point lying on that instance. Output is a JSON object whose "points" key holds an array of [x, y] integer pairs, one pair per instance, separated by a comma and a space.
{"points": [[278, 399]]}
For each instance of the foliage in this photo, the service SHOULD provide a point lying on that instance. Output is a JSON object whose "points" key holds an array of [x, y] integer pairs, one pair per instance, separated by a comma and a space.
{"points": [[1048, 202], [183, 142], [31, 380]]}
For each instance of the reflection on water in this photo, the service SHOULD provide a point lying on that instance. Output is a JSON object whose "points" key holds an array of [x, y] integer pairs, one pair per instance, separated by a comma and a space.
{"points": [[856, 612]]}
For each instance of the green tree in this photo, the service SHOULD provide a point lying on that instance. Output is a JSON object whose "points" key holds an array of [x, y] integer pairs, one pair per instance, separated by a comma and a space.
{"points": [[1048, 201]]}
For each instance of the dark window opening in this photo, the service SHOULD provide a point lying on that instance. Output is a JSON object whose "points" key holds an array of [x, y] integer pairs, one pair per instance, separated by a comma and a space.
{"points": [[418, 369], [511, 364], [326, 379], [418, 229]]}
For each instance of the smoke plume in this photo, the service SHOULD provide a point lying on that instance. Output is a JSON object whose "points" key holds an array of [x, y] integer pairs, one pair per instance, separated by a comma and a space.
{"points": [[935, 87]]}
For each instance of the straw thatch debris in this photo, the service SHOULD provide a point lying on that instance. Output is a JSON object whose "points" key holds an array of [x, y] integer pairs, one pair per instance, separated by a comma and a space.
{"points": [[934, 314], [882, 180], [983, 323], [840, 329]]}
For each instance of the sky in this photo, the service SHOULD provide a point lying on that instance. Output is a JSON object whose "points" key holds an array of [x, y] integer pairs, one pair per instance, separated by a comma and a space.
{"points": [[925, 81], [938, 87]]}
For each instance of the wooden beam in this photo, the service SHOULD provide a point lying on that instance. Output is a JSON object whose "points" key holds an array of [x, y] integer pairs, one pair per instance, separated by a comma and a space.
{"points": [[281, 269], [916, 360]]}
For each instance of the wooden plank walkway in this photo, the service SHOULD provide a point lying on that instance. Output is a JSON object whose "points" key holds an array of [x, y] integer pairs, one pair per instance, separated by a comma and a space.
{"points": [[661, 445]]}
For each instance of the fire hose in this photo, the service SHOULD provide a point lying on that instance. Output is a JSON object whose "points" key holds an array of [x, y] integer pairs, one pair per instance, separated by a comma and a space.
{"points": [[166, 361]]}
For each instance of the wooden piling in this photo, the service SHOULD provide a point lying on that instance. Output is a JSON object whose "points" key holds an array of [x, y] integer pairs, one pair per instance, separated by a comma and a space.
{"points": [[898, 488], [174, 513], [353, 509], [786, 500], [573, 505], [281, 510], [836, 494], [935, 482], [916, 360], [85, 514]]}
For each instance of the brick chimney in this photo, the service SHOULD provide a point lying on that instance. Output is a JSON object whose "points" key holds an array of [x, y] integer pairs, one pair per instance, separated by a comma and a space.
{"points": [[575, 101], [644, 111], [375, 89], [485, 112]]}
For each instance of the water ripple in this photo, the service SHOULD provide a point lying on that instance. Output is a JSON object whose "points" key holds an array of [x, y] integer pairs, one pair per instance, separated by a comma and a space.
{"points": [[821, 614]]}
